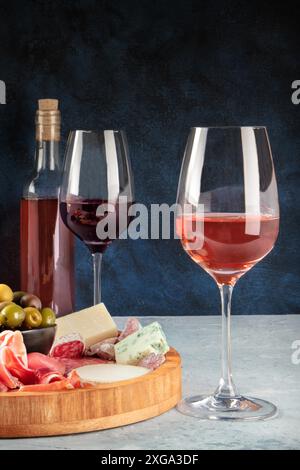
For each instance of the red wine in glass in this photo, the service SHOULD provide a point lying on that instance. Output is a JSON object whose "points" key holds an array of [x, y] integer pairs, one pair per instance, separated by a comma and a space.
{"points": [[96, 191], [227, 245], [83, 216]]}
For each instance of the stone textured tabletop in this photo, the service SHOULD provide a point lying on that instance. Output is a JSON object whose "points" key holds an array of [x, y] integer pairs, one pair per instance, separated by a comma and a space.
{"points": [[262, 367]]}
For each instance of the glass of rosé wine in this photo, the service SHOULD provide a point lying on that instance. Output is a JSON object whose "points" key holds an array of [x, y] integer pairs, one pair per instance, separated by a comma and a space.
{"points": [[227, 221]]}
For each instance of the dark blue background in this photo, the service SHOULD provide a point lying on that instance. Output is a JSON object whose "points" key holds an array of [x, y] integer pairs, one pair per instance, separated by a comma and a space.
{"points": [[155, 68]]}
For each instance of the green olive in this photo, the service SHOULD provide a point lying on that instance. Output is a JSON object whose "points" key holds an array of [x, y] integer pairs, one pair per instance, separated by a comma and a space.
{"points": [[49, 317], [33, 318], [3, 304], [6, 294], [2, 316], [30, 300], [14, 315], [2, 319], [18, 294]]}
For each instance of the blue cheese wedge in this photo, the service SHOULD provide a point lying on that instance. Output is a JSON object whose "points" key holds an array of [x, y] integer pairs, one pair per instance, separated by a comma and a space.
{"points": [[133, 348]]}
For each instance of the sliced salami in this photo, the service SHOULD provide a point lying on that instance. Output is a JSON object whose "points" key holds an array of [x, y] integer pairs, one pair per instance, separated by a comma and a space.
{"points": [[152, 361], [69, 346], [132, 325], [104, 349]]}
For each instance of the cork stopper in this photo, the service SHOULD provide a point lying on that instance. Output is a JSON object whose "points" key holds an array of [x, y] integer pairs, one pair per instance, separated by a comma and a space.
{"points": [[48, 120], [47, 104]]}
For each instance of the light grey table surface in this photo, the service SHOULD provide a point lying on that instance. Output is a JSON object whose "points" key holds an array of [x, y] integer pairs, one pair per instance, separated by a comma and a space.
{"points": [[262, 366]]}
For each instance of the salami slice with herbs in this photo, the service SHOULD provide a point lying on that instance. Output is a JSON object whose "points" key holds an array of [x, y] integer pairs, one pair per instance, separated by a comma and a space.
{"points": [[70, 346], [132, 325], [104, 349], [152, 361]]}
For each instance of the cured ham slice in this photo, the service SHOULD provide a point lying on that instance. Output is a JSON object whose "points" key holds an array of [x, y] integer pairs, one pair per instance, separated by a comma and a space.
{"points": [[6, 378], [19, 370], [4, 337], [3, 388], [38, 361], [69, 383], [14, 340], [13, 364], [47, 376], [47, 369]]}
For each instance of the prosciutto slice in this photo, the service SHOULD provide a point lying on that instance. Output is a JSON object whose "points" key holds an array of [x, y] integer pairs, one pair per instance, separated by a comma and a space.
{"points": [[3, 388], [47, 376], [69, 383], [15, 367], [13, 361], [7, 380], [5, 336], [38, 361], [19, 369], [35, 371], [14, 340]]}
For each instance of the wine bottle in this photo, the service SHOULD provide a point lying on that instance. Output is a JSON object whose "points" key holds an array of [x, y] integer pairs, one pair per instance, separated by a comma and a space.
{"points": [[47, 263]]}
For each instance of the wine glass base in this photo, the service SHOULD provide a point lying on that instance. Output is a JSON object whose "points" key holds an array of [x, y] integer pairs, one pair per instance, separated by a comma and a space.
{"points": [[221, 408]]}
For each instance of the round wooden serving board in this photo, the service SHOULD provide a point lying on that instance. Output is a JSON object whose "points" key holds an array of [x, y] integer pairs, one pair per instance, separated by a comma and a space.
{"points": [[25, 414]]}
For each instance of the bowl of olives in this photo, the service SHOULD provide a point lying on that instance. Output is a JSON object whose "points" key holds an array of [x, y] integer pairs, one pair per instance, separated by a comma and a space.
{"points": [[39, 340], [23, 311]]}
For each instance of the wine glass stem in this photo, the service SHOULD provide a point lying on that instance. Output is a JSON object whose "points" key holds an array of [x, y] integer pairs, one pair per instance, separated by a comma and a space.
{"points": [[226, 386], [97, 262]]}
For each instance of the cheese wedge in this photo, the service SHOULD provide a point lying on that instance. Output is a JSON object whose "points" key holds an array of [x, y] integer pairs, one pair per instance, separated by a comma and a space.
{"points": [[94, 324], [108, 373], [150, 339]]}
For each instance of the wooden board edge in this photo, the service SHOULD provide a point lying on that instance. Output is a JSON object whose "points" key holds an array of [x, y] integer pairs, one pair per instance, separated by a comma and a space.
{"points": [[98, 424]]}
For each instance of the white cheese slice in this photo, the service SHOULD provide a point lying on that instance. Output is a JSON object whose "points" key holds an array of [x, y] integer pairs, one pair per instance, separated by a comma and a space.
{"points": [[148, 340], [94, 324], [108, 373]]}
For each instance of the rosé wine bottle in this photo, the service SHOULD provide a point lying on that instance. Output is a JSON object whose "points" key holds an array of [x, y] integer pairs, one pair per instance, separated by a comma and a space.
{"points": [[46, 245]]}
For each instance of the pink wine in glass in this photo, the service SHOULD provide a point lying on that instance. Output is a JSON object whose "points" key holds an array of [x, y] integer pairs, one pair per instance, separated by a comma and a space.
{"points": [[80, 216], [227, 245]]}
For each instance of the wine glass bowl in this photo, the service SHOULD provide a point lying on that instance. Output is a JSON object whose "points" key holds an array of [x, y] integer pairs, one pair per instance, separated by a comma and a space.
{"points": [[232, 243], [96, 191], [227, 221]]}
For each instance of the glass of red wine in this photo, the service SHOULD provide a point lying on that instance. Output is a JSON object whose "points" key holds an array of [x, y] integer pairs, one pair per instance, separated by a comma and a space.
{"points": [[227, 221], [96, 191]]}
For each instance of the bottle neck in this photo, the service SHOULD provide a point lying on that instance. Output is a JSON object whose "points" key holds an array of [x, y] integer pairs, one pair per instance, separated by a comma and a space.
{"points": [[47, 156]]}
